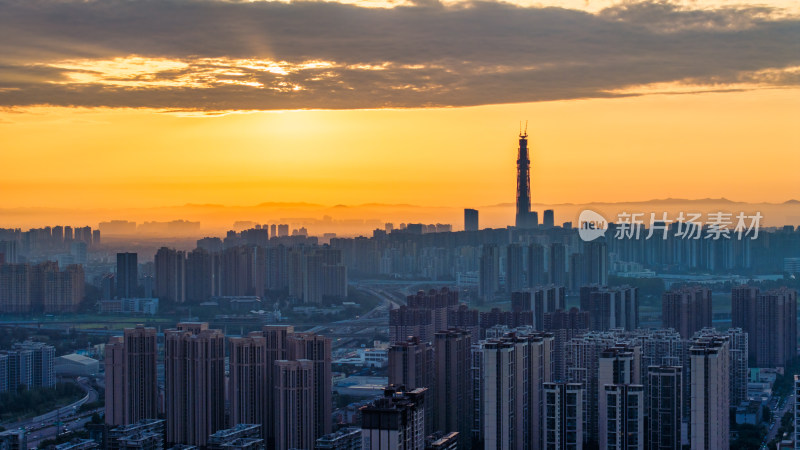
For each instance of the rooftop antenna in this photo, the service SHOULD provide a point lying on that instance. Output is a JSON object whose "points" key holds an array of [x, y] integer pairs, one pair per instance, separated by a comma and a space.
{"points": [[522, 133]]}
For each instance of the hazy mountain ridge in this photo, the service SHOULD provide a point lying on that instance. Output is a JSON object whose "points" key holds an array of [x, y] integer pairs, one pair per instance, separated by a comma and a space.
{"points": [[363, 218]]}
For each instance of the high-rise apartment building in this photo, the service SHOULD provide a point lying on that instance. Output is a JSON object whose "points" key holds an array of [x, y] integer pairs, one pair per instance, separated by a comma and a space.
{"points": [[170, 271], [557, 264], [439, 302], [515, 268], [294, 405], [616, 307], [452, 394], [405, 322], [665, 410], [687, 310], [541, 300], [317, 350], [710, 393], [411, 364], [27, 365], [41, 288], [581, 365], [619, 385], [537, 272], [770, 323], [739, 374], [394, 422], [194, 365], [131, 381], [514, 370], [248, 379], [744, 299], [776, 327], [622, 417], [563, 416], [276, 339], [489, 274]]}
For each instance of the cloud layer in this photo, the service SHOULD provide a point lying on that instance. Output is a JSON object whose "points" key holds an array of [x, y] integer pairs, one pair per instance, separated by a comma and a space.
{"points": [[224, 55]]}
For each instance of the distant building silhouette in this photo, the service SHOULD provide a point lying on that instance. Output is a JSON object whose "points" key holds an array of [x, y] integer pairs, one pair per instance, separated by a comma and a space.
{"points": [[470, 220], [127, 279], [489, 277]]}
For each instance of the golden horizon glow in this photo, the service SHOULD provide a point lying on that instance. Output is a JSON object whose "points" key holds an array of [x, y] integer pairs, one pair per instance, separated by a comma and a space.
{"points": [[737, 145]]}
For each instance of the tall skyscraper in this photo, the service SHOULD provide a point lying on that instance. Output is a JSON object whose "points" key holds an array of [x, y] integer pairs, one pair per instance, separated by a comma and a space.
{"points": [[453, 388], [127, 279], [710, 393], [396, 421], [563, 416], [131, 382], [471, 220], [194, 365], [294, 405], [523, 183], [665, 410], [687, 310]]}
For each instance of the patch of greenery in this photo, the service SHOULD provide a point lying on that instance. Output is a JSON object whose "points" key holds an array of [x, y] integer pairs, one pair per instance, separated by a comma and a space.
{"points": [[37, 401]]}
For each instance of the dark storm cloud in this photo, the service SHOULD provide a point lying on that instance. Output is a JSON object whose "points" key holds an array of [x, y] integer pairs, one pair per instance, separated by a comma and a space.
{"points": [[421, 55]]}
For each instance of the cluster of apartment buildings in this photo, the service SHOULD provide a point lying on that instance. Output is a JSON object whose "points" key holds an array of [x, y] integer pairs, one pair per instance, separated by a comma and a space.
{"points": [[27, 365], [40, 288], [278, 379]]}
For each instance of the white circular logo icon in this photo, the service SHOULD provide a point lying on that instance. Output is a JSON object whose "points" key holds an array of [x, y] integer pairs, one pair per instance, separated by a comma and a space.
{"points": [[591, 225]]}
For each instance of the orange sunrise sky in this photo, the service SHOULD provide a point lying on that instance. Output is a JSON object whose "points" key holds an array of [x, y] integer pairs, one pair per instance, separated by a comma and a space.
{"points": [[625, 101]]}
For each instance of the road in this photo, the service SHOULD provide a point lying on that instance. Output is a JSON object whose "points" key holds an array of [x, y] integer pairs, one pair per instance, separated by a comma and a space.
{"points": [[50, 431], [42, 427], [776, 421]]}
